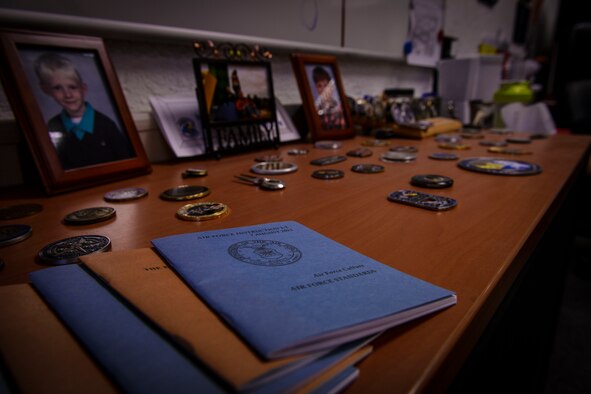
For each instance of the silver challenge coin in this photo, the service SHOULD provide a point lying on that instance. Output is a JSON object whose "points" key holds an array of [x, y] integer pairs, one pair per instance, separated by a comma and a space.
{"points": [[328, 144], [270, 168], [69, 250], [403, 157], [125, 194], [89, 215], [14, 233]]}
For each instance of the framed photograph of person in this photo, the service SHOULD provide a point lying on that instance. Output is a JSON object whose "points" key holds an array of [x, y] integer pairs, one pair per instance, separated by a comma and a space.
{"points": [[237, 104], [323, 96], [69, 105]]}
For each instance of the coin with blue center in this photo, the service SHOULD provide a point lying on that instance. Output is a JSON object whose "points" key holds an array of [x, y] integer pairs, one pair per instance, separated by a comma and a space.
{"points": [[443, 156]]}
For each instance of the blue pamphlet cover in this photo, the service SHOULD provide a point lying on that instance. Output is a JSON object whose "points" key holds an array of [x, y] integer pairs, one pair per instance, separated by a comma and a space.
{"points": [[288, 290], [138, 359]]}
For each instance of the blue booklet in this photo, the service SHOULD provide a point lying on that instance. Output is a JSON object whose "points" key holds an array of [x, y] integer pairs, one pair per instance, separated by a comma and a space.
{"points": [[287, 289], [131, 352]]}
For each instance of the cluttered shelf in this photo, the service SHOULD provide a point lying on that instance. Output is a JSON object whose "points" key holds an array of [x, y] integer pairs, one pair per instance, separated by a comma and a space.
{"points": [[476, 249]]}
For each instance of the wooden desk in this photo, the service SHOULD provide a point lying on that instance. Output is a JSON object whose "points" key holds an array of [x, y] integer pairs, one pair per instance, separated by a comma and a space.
{"points": [[477, 249]]}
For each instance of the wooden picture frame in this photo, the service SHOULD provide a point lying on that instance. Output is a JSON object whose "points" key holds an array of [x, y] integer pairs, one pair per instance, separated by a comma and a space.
{"points": [[323, 96], [69, 105]]}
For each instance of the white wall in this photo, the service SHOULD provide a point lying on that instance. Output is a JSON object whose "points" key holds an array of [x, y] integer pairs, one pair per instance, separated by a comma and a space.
{"points": [[164, 68]]}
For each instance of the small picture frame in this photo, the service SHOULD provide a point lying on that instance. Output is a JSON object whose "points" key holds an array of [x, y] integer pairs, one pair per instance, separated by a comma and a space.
{"points": [[236, 98], [67, 100], [323, 96]]}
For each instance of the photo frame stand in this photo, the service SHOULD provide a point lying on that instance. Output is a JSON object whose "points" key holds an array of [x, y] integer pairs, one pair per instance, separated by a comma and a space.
{"points": [[249, 130]]}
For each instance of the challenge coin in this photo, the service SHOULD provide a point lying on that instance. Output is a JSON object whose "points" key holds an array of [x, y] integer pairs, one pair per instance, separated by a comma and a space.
{"points": [[422, 200], [360, 152], [494, 166], [14, 233], [69, 250], [19, 211], [404, 148], [268, 158], [274, 167], [328, 174], [185, 192], [298, 152], [194, 173], [328, 144], [454, 145], [323, 161], [448, 138], [508, 151], [202, 211], [367, 168], [89, 215], [125, 194], [431, 181], [443, 156], [404, 157]]}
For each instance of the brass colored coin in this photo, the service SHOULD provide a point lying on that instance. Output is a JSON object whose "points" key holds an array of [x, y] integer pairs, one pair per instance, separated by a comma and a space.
{"points": [[14, 233], [202, 211], [69, 250], [19, 211], [457, 146], [194, 173], [509, 151], [89, 215], [185, 192]]}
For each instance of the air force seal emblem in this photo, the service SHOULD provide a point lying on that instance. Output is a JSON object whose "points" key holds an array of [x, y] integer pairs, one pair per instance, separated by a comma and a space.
{"points": [[265, 252]]}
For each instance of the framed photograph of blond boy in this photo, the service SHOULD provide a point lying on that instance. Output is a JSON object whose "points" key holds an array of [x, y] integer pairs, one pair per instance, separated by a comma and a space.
{"points": [[323, 96], [68, 103]]}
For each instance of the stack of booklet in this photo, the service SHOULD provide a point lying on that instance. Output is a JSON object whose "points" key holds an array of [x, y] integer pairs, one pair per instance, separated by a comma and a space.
{"points": [[260, 309]]}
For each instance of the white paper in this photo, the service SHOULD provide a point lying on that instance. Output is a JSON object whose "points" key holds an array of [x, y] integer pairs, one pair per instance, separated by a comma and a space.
{"points": [[426, 21]]}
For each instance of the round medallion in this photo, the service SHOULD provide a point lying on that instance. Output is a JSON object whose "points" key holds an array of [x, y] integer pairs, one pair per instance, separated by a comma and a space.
{"points": [[404, 148], [443, 156], [265, 252], [69, 250], [509, 151], [328, 174], [494, 166], [14, 233], [185, 192], [360, 152], [126, 194], [89, 215], [270, 167], [398, 157], [19, 211], [493, 143], [328, 144], [431, 181], [268, 158], [367, 168], [454, 145], [202, 211], [194, 173], [298, 152]]}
